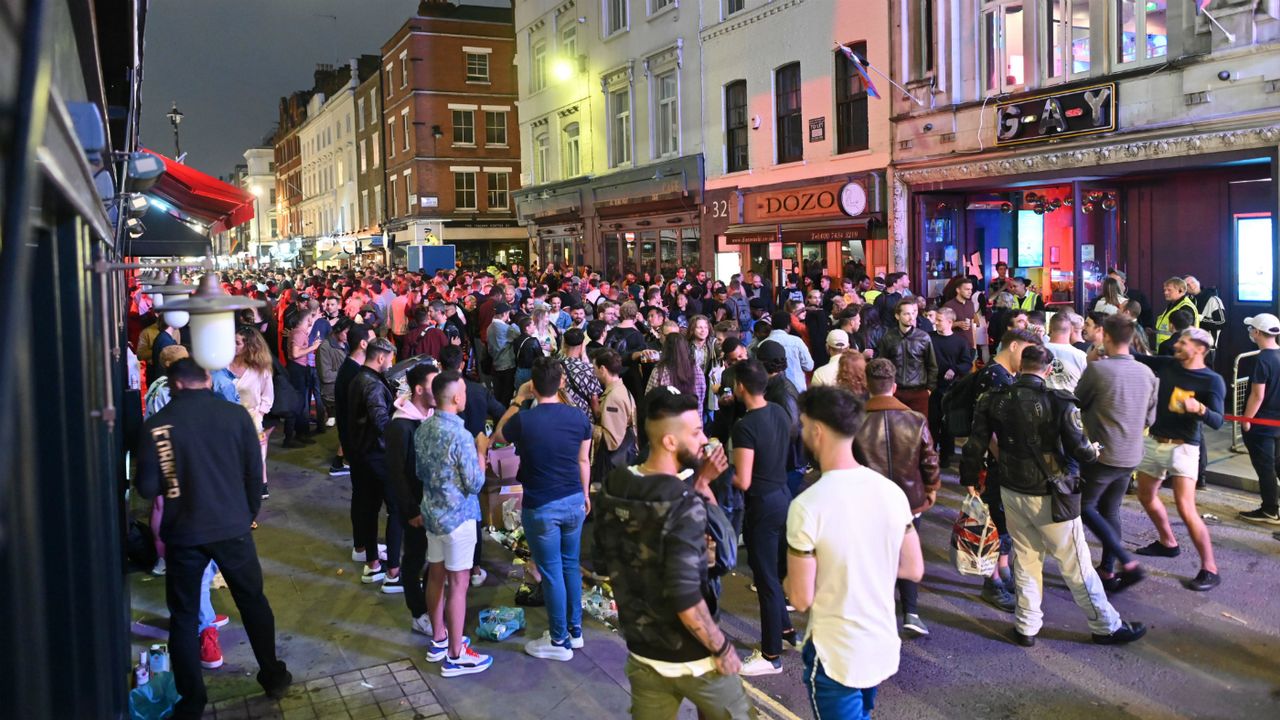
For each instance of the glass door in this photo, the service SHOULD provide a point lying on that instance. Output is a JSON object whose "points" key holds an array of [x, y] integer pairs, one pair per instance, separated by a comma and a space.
{"points": [[1097, 221], [940, 221]]}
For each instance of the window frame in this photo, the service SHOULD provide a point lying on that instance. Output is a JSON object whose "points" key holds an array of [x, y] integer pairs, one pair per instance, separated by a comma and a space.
{"points": [[792, 118], [464, 129], [391, 137], [1173, 18], [666, 109], [848, 101], [621, 129], [612, 10], [501, 126], [482, 61], [732, 7], [491, 189], [404, 69], [572, 150], [568, 40], [732, 128], [460, 175], [999, 10], [404, 116], [541, 157], [922, 39], [1048, 54], [538, 66]]}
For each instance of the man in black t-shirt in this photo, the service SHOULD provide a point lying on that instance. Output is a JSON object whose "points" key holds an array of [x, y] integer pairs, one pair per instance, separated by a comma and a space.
{"points": [[1263, 402], [761, 440], [1190, 394]]}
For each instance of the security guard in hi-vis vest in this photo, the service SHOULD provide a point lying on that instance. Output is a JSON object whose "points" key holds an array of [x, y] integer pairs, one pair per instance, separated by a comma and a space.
{"points": [[1024, 299], [1176, 298]]}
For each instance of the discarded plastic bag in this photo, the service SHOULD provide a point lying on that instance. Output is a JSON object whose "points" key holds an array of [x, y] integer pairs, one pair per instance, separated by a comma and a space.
{"points": [[500, 623], [598, 602], [975, 542], [155, 700], [511, 514]]}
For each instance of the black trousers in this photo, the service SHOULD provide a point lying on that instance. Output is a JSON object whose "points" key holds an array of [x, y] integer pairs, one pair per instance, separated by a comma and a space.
{"points": [[237, 558], [370, 490], [1104, 489], [1264, 450], [504, 385], [909, 590], [765, 535], [946, 443], [413, 569]]}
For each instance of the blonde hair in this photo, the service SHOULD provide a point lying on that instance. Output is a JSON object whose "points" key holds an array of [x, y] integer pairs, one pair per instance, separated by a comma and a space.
{"points": [[172, 354]]}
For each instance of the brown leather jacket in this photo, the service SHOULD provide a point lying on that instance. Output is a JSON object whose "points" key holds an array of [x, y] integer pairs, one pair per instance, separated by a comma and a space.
{"points": [[894, 441]]}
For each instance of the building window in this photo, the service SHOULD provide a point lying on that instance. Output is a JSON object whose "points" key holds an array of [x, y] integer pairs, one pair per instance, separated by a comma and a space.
{"points": [[404, 120], [1142, 31], [851, 102], [404, 69], [495, 127], [541, 155], [499, 191], [735, 126], [376, 148], [364, 208], [272, 199], [464, 191], [921, 38], [1067, 38], [656, 5], [390, 77], [572, 151], [273, 228], [359, 113], [362, 156], [787, 110], [616, 17], [1003, 47], [392, 197], [377, 201], [410, 192], [464, 127], [733, 6], [667, 112], [342, 175], [477, 67], [620, 140], [391, 137], [373, 107], [538, 68], [569, 41]]}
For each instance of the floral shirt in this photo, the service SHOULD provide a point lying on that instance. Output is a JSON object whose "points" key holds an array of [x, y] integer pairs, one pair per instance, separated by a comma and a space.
{"points": [[450, 472]]}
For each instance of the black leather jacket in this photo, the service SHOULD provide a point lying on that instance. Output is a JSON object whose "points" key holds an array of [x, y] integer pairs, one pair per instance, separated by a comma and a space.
{"points": [[1027, 419], [369, 409], [912, 355]]}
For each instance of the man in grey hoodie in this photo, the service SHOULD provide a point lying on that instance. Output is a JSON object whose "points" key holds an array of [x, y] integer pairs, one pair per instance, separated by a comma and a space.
{"points": [[411, 410]]}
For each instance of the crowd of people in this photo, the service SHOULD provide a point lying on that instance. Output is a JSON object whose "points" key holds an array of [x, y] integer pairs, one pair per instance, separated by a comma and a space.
{"points": [[683, 417]]}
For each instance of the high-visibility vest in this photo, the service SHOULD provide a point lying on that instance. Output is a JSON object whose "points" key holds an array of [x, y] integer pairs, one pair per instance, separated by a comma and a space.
{"points": [[870, 296], [1163, 330], [1028, 302]]}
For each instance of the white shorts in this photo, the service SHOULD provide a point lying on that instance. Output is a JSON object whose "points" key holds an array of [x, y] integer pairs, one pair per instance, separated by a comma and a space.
{"points": [[1161, 460], [456, 550]]}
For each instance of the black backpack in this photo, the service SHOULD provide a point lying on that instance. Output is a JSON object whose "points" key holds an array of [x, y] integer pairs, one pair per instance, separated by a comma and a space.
{"points": [[958, 404]]}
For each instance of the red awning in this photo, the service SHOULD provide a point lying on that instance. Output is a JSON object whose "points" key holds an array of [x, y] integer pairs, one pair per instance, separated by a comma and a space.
{"points": [[203, 197]]}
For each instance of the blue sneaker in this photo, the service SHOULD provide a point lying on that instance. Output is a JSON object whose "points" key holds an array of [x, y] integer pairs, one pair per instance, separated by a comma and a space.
{"points": [[470, 663], [439, 650]]}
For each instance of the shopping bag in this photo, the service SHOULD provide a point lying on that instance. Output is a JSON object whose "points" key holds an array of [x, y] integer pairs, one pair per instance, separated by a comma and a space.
{"points": [[155, 700], [500, 623], [975, 542]]}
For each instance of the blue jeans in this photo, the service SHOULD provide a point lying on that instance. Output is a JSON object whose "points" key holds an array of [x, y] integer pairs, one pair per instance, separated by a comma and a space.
{"points": [[554, 532], [207, 615], [830, 699]]}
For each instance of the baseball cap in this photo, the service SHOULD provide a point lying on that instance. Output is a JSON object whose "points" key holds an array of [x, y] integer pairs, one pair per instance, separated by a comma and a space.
{"points": [[838, 339], [500, 308], [1200, 335], [1265, 323], [770, 350]]}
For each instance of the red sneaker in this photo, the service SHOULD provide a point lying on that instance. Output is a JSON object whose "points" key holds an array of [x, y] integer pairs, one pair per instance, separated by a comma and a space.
{"points": [[220, 620], [210, 650]]}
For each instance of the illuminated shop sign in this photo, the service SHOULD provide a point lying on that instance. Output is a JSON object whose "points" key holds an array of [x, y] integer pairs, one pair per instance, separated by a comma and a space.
{"points": [[1084, 111]]}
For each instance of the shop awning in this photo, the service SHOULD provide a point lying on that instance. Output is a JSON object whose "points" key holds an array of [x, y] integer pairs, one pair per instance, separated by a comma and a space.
{"points": [[203, 197], [749, 234], [166, 235]]}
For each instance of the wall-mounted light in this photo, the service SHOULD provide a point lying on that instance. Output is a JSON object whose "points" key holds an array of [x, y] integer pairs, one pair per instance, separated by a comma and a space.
{"points": [[562, 70], [213, 322], [172, 291], [436, 132], [135, 228]]}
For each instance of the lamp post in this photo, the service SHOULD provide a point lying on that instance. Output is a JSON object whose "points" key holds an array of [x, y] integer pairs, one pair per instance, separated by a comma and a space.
{"points": [[257, 218], [175, 118]]}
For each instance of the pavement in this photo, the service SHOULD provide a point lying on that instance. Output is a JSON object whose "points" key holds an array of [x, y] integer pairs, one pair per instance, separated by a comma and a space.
{"points": [[1207, 655]]}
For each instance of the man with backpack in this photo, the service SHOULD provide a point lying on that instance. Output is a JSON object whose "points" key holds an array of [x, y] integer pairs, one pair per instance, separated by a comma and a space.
{"points": [[653, 528]]}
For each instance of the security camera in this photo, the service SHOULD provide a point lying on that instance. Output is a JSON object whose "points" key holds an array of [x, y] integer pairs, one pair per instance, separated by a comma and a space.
{"points": [[135, 228], [138, 205]]}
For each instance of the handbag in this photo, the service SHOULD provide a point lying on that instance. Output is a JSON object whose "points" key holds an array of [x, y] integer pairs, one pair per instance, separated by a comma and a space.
{"points": [[1064, 489]]}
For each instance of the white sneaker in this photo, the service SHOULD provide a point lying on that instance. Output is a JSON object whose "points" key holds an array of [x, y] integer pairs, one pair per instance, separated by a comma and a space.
{"points": [[757, 664], [544, 649], [370, 576], [575, 641], [158, 570], [422, 625], [331, 422], [358, 555], [469, 663], [478, 576]]}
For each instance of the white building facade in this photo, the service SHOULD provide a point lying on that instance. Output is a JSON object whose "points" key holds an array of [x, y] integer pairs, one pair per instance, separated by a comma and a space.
{"points": [[327, 139], [260, 179], [611, 114]]}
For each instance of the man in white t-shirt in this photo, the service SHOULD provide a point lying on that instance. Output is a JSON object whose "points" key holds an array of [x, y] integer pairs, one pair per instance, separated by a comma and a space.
{"points": [[837, 343], [855, 525], [1068, 361]]}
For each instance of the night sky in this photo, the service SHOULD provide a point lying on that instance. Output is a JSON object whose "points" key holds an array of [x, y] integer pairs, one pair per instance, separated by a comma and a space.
{"points": [[228, 62]]}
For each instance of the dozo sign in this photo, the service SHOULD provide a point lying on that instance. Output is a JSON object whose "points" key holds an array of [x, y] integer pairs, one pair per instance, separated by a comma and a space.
{"points": [[815, 201], [1083, 111]]}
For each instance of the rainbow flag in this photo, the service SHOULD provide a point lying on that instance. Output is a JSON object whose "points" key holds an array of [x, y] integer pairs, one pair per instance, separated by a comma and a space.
{"points": [[861, 65], [1202, 5]]}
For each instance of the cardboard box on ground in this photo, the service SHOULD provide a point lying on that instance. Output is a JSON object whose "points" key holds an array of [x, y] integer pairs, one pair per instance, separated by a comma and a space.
{"points": [[500, 484]]}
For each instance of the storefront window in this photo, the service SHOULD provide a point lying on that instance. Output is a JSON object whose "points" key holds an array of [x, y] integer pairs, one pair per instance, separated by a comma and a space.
{"points": [[648, 257], [815, 259], [668, 244], [691, 253], [612, 253]]}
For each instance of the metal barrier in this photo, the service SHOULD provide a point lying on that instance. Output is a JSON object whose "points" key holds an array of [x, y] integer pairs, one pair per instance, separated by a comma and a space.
{"points": [[1239, 394]]}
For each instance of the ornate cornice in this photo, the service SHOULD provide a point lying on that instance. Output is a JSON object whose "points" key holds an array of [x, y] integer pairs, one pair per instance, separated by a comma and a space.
{"points": [[1103, 154], [741, 20]]}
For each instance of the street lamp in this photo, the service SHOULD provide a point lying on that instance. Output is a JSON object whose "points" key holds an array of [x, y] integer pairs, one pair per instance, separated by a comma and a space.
{"points": [[174, 290], [175, 118], [257, 217], [213, 321]]}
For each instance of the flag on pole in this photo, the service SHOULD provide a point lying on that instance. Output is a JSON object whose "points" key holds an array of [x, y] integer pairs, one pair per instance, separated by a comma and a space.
{"points": [[860, 65], [1202, 5]]}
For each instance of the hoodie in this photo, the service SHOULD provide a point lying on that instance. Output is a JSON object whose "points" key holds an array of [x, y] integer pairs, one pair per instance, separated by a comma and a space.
{"points": [[401, 459]]}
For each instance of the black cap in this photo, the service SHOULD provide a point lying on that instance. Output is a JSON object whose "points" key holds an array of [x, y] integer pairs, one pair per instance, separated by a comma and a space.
{"points": [[500, 308], [770, 350]]}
